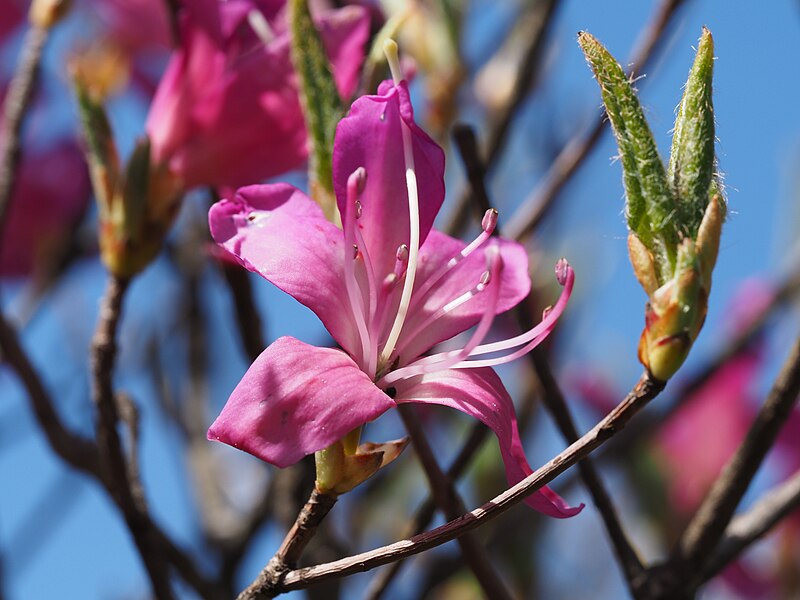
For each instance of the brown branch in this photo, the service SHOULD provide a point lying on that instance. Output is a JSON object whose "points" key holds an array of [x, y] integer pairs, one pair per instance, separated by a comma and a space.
{"points": [[708, 525], [425, 512], [644, 391], [248, 319], [552, 396], [17, 103], [75, 450], [451, 504], [535, 25], [556, 405], [269, 582], [104, 351], [572, 156], [774, 506]]}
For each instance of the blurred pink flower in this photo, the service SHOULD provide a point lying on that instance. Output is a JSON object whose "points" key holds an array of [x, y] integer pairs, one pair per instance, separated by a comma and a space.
{"points": [[388, 288], [11, 16], [51, 193], [227, 110], [136, 25]]}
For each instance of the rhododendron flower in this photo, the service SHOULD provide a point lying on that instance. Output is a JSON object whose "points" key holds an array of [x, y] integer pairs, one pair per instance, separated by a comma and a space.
{"points": [[227, 111], [388, 288]]}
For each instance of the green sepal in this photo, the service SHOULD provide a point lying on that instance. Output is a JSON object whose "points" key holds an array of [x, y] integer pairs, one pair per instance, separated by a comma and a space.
{"points": [[136, 187], [650, 202], [691, 164], [322, 106], [101, 149]]}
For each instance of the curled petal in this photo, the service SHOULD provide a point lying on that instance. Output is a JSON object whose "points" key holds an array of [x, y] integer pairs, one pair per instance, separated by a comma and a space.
{"points": [[371, 137], [281, 234], [480, 394], [296, 399]]}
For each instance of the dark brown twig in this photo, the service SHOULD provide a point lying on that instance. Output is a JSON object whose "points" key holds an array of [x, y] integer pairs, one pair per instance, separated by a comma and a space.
{"points": [[451, 504], [104, 351], [248, 318], [536, 25], [566, 164], [552, 397], [17, 103], [774, 506], [425, 512], [74, 449], [644, 391], [269, 582], [709, 522]]}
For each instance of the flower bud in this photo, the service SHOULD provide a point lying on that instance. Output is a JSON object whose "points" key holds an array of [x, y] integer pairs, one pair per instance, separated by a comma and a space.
{"points": [[46, 13]]}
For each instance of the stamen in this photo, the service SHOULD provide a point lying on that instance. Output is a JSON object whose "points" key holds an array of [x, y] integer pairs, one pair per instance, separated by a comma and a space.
{"points": [[488, 223], [390, 49], [355, 183], [532, 337], [444, 360], [260, 26]]}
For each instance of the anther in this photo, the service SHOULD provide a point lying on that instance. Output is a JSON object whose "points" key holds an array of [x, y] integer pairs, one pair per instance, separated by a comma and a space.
{"points": [[489, 221]]}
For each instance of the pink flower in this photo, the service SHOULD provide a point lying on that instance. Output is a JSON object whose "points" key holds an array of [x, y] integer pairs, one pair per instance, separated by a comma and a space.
{"points": [[387, 287], [227, 111], [51, 193]]}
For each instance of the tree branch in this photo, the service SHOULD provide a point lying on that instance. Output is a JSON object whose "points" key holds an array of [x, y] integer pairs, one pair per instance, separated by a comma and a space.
{"points": [[644, 391], [708, 525], [774, 506], [452, 506], [572, 156]]}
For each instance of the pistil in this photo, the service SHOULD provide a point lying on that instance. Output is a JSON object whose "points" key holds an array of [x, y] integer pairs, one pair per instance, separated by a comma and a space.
{"points": [[390, 49]]}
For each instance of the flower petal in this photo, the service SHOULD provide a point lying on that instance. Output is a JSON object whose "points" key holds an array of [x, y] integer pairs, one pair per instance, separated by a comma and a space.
{"points": [[419, 335], [296, 399], [480, 394], [278, 232], [371, 137]]}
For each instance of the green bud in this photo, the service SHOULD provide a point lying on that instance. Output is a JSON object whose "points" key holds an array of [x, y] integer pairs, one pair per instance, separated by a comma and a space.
{"points": [[675, 217], [650, 202], [691, 164], [322, 106]]}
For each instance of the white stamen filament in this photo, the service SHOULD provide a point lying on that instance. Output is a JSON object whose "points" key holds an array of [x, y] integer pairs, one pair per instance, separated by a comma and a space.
{"points": [[354, 183], [488, 223], [390, 49], [444, 360], [259, 25]]}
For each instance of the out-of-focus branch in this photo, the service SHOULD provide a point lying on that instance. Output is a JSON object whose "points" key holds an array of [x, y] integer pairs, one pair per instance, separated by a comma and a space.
{"points": [[248, 318], [535, 25], [774, 506], [645, 390], [451, 504], [708, 525], [117, 476], [17, 103], [74, 449], [566, 164], [427, 509], [552, 397]]}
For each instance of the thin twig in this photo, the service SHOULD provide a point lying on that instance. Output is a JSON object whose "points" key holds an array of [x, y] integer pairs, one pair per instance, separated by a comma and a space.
{"points": [[536, 205], [536, 25], [248, 318], [556, 405], [269, 582], [709, 522], [104, 351], [424, 514], [74, 449], [774, 506], [451, 504], [17, 103], [644, 391]]}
